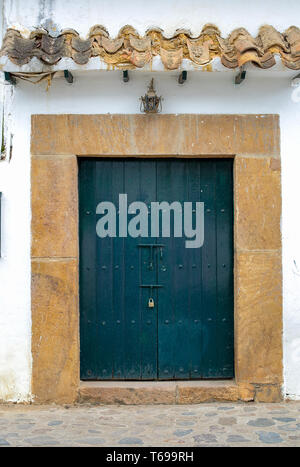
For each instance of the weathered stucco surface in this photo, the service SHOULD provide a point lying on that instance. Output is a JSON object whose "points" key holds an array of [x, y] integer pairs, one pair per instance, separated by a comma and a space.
{"points": [[169, 15]]}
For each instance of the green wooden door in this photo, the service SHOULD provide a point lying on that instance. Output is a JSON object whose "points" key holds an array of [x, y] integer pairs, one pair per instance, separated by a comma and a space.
{"points": [[188, 333]]}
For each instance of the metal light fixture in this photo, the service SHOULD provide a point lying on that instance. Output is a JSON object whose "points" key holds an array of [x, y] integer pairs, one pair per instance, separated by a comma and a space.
{"points": [[150, 102]]}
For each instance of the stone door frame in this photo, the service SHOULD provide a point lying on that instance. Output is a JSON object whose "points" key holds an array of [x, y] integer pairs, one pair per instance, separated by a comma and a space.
{"points": [[252, 140]]}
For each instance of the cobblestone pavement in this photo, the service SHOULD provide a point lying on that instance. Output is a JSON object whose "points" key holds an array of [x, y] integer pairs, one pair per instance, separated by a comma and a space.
{"points": [[190, 425]]}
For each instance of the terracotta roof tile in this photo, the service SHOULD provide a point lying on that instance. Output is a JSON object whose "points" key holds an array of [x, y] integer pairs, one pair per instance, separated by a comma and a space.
{"points": [[19, 50], [140, 45], [293, 38], [270, 38], [111, 45], [98, 30], [199, 51], [131, 50]]}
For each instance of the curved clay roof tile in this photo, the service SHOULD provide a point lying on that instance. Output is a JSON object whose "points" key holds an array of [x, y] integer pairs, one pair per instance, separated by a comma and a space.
{"points": [[154, 29], [242, 41], [18, 49], [38, 33], [81, 45], [52, 49], [270, 37], [98, 30], [293, 37], [229, 62], [69, 31], [139, 59], [81, 58], [171, 58], [186, 32], [128, 30], [112, 45], [141, 45], [199, 53], [210, 30]]}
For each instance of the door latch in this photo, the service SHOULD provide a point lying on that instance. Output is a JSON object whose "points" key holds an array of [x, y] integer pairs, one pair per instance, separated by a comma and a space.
{"points": [[152, 246]]}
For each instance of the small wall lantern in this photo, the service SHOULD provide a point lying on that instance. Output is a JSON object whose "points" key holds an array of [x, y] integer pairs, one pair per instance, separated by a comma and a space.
{"points": [[150, 102]]}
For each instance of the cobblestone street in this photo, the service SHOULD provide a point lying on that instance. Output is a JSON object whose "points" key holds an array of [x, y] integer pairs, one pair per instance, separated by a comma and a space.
{"points": [[198, 425]]}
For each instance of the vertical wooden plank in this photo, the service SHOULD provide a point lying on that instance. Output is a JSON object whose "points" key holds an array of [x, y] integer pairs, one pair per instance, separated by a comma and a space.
{"points": [[180, 287], [118, 285], [209, 264], [133, 295], [87, 269], [173, 272], [224, 232], [195, 280], [166, 317], [104, 265], [148, 275]]}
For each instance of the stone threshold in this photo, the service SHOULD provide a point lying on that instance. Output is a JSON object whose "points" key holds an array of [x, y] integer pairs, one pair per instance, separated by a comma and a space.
{"points": [[163, 392]]}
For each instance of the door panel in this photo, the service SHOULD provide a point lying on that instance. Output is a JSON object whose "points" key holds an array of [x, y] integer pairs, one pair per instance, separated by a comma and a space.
{"points": [[189, 332], [174, 323], [140, 333]]}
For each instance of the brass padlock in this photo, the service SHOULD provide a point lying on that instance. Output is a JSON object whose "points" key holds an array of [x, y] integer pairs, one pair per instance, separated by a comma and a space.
{"points": [[151, 303]]}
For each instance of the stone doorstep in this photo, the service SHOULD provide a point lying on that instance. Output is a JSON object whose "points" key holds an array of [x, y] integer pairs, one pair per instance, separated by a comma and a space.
{"points": [[162, 392]]}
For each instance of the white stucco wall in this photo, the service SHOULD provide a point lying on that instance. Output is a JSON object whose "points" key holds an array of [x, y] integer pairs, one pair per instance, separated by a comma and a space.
{"points": [[104, 92], [142, 14]]}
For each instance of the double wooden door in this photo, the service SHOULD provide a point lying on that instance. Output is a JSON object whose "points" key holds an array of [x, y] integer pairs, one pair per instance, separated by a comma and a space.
{"points": [[150, 308]]}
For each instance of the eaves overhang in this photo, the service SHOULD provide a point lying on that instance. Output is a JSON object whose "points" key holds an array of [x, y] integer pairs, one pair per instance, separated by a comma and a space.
{"points": [[40, 52]]}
